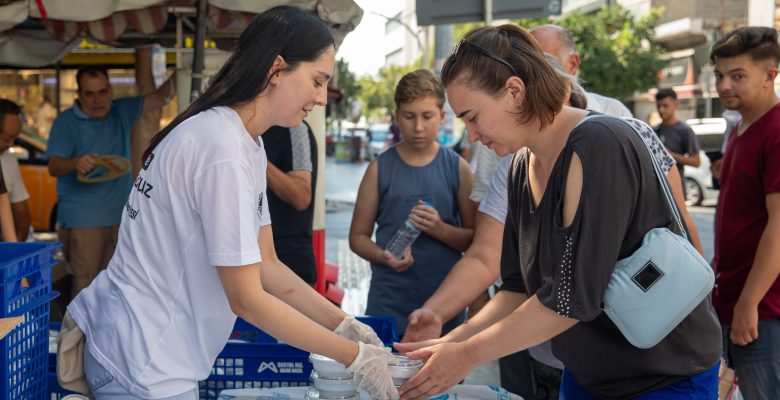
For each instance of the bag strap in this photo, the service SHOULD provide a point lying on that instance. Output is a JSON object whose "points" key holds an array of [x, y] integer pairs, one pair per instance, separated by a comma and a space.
{"points": [[658, 173]]}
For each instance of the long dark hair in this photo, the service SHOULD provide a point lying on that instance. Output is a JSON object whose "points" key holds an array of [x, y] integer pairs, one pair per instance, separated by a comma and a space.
{"points": [[284, 31]]}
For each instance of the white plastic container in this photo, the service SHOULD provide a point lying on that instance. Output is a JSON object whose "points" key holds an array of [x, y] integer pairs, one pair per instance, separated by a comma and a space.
{"points": [[314, 394], [404, 369], [338, 388], [329, 368]]}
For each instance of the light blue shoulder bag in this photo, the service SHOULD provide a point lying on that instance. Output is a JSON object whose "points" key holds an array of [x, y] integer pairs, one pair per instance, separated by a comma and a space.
{"points": [[654, 289]]}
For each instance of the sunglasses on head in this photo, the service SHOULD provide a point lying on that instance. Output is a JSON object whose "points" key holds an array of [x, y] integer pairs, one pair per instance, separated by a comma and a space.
{"points": [[489, 54]]}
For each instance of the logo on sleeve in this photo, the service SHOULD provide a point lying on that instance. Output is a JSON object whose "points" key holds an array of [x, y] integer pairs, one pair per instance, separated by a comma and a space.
{"points": [[148, 161], [260, 205]]}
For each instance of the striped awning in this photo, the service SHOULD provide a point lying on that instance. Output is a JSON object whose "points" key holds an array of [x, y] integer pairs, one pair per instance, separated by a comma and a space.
{"points": [[67, 21]]}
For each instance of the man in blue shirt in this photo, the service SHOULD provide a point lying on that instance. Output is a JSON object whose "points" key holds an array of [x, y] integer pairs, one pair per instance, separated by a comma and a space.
{"points": [[89, 212]]}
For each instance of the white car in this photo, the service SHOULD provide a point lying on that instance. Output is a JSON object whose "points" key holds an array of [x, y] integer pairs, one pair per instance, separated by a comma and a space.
{"points": [[698, 180], [381, 140]]}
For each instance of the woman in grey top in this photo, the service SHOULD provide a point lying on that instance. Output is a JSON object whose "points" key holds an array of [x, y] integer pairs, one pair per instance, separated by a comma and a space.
{"points": [[582, 197]]}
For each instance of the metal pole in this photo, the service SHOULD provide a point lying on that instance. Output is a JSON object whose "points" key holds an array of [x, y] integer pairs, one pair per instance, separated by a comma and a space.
{"points": [[198, 54], [444, 37], [488, 12], [57, 88]]}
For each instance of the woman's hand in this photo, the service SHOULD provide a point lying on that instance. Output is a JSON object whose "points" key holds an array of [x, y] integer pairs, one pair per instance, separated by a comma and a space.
{"points": [[399, 265], [426, 219], [424, 324], [407, 347], [353, 329], [446, 364], [370, 369]]}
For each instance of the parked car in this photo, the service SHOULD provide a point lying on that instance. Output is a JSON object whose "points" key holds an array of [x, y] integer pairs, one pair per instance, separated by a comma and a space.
{"points": [[698, 180], [380, 140]]}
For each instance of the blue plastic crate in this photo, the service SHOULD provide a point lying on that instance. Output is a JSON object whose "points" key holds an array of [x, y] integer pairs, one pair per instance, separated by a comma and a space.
{"points": [[56, 392], [265, 363], [25, 289]]}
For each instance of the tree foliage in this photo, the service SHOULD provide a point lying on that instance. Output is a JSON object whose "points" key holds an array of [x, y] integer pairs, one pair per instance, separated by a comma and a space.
{"points": [[619, 54], [376, 93], [348, 83]]}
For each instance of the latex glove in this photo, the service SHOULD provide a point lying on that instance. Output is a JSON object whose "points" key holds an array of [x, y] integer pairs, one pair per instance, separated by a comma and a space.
{"points": [[353, 329], [370, 368]]}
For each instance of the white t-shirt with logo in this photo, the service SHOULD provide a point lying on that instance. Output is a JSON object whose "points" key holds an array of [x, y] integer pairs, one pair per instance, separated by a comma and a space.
{"points": [[158, 317]]}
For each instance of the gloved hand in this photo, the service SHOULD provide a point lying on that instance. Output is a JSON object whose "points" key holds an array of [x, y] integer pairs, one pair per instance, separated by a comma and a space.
{"points": [[370, 368], [353, 329]]}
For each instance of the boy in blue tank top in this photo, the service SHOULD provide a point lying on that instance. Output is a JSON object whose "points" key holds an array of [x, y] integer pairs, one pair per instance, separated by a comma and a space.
{"points": [[395, 187]]}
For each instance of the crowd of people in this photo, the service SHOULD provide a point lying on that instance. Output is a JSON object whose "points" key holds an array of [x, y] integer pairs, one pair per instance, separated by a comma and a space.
{"points": [[563, 188]]}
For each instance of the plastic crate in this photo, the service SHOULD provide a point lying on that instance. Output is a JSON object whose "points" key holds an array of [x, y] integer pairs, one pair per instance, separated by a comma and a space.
{"points": [[56, 392], [263, 362], [25, 289]]}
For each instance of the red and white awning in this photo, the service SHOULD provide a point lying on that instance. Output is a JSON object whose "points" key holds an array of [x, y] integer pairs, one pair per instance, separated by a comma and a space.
{"points": [[66, 21]]}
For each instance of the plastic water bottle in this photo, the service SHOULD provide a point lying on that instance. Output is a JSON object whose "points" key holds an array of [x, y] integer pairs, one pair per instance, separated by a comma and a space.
{"points": [[403, 238]]}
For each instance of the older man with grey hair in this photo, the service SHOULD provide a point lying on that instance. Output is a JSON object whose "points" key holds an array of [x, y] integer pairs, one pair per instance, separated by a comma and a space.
{"points": [[559, 42]]}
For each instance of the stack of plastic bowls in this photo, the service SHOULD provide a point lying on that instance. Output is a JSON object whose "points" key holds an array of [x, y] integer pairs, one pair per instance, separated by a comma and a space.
{"points": [[404, 369], [331, 380]]}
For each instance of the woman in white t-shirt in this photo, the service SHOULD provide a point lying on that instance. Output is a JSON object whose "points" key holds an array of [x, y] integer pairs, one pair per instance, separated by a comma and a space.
{"points": [[195, 245]]}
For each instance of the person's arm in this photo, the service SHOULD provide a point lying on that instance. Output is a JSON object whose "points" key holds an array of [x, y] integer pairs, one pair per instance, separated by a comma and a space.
{"points": [[692, 159], [22, 220], [294, 187], [283, 283], [427, 219], [250, 292], [448, 363], [674, 177], [59, 166], [503, 304], [6, 219], [362, 227], [470, 276], [260, 292], [763, 274], [161, 96]]}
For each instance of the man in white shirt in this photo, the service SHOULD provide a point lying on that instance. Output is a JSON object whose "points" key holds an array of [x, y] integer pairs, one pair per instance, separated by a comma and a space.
{"points": [[10, 128]]}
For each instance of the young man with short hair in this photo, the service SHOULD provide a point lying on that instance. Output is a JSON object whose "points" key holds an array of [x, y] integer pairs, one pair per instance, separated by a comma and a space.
{"points": [[747, 225], [675, 134]]}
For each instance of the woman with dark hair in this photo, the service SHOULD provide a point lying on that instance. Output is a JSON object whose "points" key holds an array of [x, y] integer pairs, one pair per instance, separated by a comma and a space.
{"points": [[582, 195], [196, 246]]}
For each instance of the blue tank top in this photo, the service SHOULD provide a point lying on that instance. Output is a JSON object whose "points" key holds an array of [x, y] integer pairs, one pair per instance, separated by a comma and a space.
{"points": [[401, 186]]}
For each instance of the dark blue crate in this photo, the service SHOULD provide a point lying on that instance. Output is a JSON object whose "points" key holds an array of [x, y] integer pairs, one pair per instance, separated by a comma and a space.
{"points": [[384, 327], [25, 289], [265, 363], [53, 326], [56, 392]]}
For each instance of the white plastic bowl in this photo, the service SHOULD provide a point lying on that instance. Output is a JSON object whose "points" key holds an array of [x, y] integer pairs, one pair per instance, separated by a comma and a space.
{"points": [[329, 368], [404, 369], [334, 388], [314, 394]]}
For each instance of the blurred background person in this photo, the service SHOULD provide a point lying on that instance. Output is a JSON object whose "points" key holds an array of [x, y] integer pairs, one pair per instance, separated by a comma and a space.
{"points": [[10, 128], [292, 180]]}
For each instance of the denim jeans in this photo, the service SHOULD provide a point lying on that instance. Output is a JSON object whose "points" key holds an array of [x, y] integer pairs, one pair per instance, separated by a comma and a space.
{"points": [[702, 386], [105, 387], [758, 364]]}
